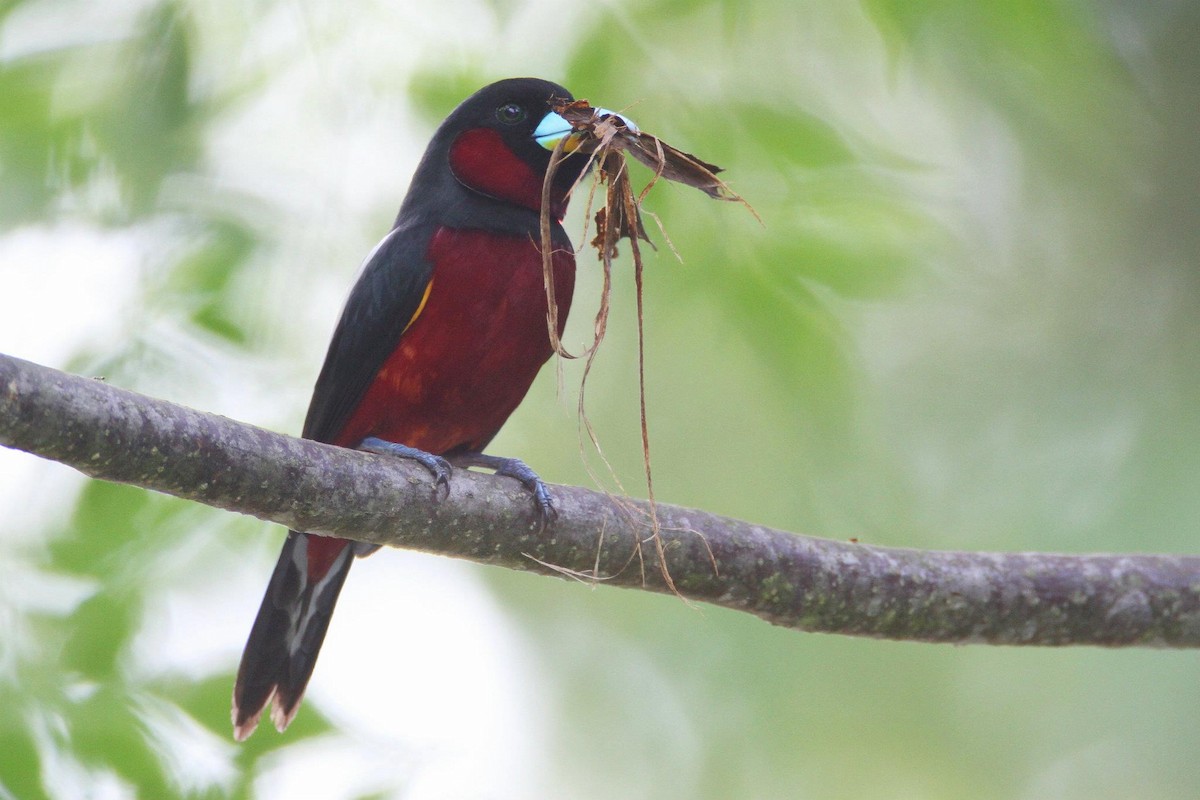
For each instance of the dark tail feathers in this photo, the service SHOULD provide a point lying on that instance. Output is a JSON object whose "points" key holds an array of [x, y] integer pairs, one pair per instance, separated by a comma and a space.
{"points": [[287, 634]]}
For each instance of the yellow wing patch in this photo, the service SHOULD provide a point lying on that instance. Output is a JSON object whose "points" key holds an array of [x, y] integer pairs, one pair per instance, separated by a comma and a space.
{"points": [[420, 306]]}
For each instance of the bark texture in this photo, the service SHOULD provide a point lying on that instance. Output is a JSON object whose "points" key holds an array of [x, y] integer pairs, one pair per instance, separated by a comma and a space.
{"points": [[801, 582]]}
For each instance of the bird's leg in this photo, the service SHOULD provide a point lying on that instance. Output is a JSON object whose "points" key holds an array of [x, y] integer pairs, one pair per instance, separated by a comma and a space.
{"points": [[511, 468], [437, 466]]}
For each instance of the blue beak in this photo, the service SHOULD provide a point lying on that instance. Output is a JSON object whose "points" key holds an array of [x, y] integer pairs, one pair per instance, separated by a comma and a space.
{"points": [[554, 127]]}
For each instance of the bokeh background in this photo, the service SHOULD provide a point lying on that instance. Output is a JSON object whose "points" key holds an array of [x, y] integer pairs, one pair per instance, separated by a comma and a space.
{"points": [[969, 322]]}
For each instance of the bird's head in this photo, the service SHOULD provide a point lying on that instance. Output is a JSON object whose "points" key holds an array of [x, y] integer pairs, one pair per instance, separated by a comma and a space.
{"points": [[499, 142]]}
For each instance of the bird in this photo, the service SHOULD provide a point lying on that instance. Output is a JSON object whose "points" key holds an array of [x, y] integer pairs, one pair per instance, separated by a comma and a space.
{"points": [[439, 340]]}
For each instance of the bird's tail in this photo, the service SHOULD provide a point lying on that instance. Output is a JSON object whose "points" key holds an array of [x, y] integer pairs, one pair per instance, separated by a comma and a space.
{"points": [[287, 634]]}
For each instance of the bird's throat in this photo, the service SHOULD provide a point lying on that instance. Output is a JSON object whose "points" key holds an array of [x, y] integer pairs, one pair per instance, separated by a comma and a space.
{"points": [[482, 161]]}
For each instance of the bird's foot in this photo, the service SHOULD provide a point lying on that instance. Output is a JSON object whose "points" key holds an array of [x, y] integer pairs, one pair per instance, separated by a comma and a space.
{"points": [[437, 466], [512, 468]]}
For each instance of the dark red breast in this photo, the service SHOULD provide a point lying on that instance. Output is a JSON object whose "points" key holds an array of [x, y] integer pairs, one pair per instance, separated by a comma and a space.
{"points": [[467, 360]]}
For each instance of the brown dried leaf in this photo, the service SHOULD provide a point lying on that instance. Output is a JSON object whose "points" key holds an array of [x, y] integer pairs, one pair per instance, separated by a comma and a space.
{"points": [[620, 219], [609, 132]]}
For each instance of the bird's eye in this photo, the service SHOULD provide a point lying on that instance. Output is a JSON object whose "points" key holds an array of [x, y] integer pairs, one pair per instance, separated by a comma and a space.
{"points": [[510, 113]]}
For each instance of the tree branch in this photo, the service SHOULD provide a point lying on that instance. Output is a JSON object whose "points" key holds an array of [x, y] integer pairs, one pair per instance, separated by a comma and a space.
{"points": [[797, 581]]}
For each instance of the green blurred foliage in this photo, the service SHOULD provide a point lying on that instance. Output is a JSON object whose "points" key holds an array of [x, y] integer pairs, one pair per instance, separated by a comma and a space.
{"points": [[92, 130], [967, 321], [122, 107]]}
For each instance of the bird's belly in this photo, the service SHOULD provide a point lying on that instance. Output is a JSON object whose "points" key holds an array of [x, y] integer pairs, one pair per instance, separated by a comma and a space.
{"points": [[467, 360]]}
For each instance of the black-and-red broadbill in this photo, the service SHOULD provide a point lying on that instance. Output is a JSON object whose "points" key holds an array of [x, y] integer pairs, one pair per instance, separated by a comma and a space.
{"points": [[439, 341]]}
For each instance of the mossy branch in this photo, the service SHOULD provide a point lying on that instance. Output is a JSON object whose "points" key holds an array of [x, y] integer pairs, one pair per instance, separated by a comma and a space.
{"points": [[801, 582]]}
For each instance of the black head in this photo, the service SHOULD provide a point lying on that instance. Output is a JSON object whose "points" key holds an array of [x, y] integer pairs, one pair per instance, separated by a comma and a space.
{"points": [[489, 145]]}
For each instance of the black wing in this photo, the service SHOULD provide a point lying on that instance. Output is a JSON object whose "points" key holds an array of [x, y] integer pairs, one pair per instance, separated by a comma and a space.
{"points": [[381, 305]]}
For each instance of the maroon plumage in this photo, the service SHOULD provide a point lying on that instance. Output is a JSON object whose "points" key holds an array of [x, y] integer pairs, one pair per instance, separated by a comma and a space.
{"points": [[437, 345]]}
